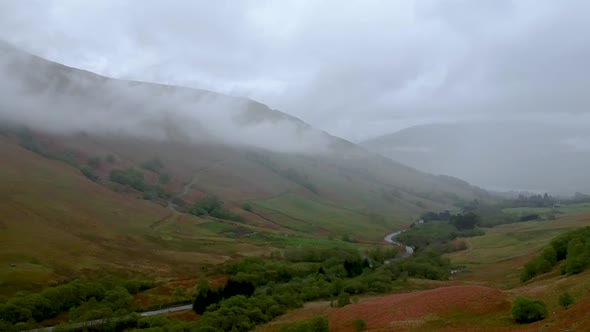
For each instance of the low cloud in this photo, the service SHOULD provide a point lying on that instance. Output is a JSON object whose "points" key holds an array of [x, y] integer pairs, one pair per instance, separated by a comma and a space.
{"points": [[59, 99]]}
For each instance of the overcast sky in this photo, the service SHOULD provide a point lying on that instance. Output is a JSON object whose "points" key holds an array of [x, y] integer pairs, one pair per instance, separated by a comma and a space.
{"points": [[356, 69]]}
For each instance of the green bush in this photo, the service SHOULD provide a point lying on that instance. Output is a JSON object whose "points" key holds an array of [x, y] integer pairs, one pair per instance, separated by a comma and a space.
{"points": [[343, 300], [577, 258], [212, 206], [359, 325], [89, 173], [155, 165], [525, 310], [247, 207], [154, 192], [565, 300], [318, 324], [574, 246], [136, 286], [129, 177]]}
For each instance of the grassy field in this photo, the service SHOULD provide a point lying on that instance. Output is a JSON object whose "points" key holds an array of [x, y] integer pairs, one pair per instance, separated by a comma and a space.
{"points": [[315, 217], [57, 224], [493, 261], [568, 209], [497, 257]]}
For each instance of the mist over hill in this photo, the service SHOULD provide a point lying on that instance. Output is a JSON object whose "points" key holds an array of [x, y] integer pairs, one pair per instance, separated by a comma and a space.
{"points": [[60, 99], [517, 155], [242, 149]]}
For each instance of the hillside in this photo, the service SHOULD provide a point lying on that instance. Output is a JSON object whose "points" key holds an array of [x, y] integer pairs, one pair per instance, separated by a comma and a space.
{"points": [[65, 132], [498, 155]]}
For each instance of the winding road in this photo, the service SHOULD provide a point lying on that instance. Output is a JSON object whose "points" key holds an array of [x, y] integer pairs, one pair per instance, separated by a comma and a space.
{"points": [[390, 239]]}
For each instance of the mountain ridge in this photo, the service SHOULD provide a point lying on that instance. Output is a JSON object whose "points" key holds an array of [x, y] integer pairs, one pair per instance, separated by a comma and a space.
{"points": [[496, 155]]}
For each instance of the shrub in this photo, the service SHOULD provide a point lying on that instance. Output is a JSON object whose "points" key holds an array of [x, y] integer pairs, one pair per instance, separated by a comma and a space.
{"points": [[136, 286], [359, 325], [535, 267], [577, 259], [154, 192], [343, 299], [247, 207], [212, 206], [318, 324], [565, 300], [129, 177], [525, 310], [89, 173], [155, 165]]}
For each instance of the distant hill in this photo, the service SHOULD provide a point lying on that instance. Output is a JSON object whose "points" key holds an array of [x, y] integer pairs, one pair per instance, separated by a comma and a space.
{"points": [[111, 168], [500, 155]]}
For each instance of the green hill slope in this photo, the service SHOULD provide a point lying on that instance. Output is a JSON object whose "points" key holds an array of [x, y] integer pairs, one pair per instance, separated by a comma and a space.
{"points": [[65, 132]]}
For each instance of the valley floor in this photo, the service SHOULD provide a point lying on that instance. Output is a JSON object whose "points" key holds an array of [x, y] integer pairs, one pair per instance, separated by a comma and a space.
{"points": [[479, 297]]}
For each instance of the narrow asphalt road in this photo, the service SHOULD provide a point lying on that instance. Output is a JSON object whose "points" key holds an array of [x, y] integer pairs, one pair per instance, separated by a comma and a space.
{"points": [[102, 321], [389, 239]]}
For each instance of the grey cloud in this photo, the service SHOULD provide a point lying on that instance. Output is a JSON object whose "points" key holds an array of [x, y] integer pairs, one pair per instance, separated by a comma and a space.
{"points": [[356, 69], [58, 99]]}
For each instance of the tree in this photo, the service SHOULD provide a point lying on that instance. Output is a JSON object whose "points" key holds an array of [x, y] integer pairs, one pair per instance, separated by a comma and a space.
{"points": [[247, 207], [129, 177], [118, 298], [343, 299], [89, 173], [212, 206], [550, 255], [203, 286], [464, 221], [576, 257], [155, 165], [525, 310], [565, 300]]}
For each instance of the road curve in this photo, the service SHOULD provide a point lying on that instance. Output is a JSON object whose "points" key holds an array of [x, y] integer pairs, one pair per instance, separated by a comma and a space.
{"points": [[389, 239]]}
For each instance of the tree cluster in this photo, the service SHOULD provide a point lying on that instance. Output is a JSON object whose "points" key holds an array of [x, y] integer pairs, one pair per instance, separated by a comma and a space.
{"points": [[83, 299], [435, 216], [155, 165], [233, 287], [537, 200], [135, 179], [212, 206], [464, 221], [573, 247]]}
